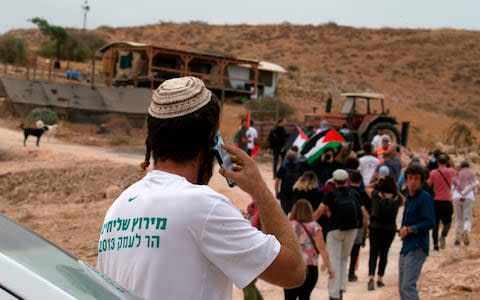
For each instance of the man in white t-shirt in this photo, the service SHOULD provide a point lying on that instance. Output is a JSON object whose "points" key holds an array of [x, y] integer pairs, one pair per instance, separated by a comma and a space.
{"points": [[169, 235], [368, 163], [377, 139], [252, 134]]}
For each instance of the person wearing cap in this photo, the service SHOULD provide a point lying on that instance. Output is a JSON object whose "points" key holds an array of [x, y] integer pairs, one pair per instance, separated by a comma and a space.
{"points": [[171, 236], [347, 214]]}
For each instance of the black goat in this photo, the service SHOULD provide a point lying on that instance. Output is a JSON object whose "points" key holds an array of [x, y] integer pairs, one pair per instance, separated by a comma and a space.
{"points": [[38, 132]]}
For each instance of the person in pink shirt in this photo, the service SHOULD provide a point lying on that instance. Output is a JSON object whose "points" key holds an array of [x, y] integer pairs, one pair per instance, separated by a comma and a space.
{"points": [[441, 181], [465, 187], [310, 237]]}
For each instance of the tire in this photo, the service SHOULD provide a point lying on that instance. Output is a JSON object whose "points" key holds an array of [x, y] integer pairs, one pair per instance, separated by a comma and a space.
{"points": [[388, 129]]}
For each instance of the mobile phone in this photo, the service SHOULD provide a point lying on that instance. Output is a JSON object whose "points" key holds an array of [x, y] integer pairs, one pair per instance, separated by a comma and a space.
{"points": [[223, 157]]}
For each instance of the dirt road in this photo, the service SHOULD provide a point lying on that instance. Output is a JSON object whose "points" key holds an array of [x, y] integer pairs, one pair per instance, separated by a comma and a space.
{"points": [[62, 191]]}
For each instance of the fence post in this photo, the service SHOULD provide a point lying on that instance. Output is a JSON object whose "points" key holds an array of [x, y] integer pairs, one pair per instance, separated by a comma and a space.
{"points": [[50, 63], [35, 68], [92, 72]]}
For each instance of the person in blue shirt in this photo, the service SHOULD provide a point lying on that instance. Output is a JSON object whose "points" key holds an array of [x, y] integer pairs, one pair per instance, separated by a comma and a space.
{"points": [[418, 219]]}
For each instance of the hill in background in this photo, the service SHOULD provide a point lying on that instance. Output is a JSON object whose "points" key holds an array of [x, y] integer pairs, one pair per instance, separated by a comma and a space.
{"points": [[429, 77]]}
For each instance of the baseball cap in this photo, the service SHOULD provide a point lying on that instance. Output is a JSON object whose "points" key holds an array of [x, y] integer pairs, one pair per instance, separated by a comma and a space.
{"points": [[340, 175]]}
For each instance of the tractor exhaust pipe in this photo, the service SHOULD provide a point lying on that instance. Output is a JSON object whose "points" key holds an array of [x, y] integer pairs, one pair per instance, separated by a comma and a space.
{"points": [[405, 130]]}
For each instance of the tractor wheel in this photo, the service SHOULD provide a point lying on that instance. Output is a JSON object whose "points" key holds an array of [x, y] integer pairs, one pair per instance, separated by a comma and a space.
{"points": [[388, 129]]}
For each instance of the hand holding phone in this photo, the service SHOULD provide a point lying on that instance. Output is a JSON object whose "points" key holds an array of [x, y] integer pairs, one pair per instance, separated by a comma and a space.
{"points": [[223, 157]]}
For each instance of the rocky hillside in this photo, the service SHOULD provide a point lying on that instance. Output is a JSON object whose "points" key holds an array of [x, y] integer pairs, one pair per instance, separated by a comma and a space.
{"points": [[430, 77]]}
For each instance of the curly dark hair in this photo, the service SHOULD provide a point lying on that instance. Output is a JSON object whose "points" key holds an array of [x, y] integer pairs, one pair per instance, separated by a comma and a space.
{"points": [[417, 169], [183, 138]]}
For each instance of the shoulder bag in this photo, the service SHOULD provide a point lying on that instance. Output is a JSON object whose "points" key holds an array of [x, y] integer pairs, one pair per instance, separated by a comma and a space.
{"points": [[310, 236]]}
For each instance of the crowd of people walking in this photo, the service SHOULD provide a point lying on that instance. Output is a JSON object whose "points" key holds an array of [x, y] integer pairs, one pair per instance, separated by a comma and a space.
{"points": [[356, 198], [327, 204]]}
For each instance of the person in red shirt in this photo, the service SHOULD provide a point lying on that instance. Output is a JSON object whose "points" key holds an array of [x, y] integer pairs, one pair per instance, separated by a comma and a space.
{"points": [[441, 181]]}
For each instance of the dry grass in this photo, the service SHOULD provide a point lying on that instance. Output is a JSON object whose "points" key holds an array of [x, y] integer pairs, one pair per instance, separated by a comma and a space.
{"points": [[420, 71]]}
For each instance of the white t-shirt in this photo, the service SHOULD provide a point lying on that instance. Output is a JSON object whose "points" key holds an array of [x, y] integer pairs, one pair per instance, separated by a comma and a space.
{"points": [[252, 134], [367, 166], [377, 141], [165, 238]]}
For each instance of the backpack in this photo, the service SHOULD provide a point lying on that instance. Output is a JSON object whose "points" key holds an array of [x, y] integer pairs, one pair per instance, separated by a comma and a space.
{"points": [[292, 173], [385, 211], [347, 209]]}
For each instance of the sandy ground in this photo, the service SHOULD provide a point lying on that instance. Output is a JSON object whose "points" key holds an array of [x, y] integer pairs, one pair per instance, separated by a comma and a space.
{"points": [[62, 191]]}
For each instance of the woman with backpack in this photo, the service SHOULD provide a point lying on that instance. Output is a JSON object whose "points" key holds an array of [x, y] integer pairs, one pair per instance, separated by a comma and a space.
{"points": [[309, 235], [385, 201]]}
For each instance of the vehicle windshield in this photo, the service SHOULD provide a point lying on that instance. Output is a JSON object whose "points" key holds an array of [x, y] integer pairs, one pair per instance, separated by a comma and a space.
{"points": [[362, 106], [58, 267], [347, 105]]}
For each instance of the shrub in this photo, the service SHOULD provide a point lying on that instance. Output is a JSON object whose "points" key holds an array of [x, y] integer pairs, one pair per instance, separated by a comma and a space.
{"points": [[462, 113], [460, 135], [292, 68], [48, 116], [13, 49], [263, 110]]}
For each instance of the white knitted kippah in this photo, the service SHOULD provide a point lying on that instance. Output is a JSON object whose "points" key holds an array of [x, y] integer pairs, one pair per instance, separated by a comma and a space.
{"points": [[178, 97]]}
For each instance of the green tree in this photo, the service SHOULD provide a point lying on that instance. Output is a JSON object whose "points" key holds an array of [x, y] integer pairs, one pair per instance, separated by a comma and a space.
{"points": [[13, 50], [80, 46], [57, 34]]}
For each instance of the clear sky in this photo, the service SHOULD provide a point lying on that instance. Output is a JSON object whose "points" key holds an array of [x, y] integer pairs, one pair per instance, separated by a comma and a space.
{"points": [[459, 14]]}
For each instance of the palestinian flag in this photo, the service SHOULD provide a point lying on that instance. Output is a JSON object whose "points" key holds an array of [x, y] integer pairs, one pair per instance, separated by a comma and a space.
{"points": [[300, 139], [297, 137], [317, 144]]}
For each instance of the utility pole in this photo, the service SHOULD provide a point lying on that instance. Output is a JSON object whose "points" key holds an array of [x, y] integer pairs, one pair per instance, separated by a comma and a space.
{"points": [[86, 9]]}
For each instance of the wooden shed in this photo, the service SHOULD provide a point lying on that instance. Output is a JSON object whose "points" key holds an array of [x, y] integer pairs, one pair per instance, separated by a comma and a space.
{"points": [[142, 65]]}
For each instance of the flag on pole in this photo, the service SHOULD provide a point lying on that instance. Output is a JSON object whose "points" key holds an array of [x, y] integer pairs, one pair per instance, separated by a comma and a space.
{"points": [[300, 139], [295, 138], [319, 143], [248, 119]]}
